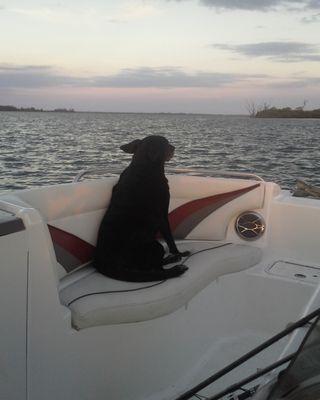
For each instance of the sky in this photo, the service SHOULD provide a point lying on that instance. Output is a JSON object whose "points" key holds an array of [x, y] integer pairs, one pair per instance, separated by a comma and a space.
{"points": [[192, 56]]}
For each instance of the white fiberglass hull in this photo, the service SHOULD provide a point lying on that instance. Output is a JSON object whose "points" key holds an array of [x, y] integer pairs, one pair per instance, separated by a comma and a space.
{"points": [[68, 333]]}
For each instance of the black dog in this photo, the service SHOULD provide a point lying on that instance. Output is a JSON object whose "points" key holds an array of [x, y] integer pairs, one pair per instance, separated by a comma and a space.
{"points": [[127, 248]]}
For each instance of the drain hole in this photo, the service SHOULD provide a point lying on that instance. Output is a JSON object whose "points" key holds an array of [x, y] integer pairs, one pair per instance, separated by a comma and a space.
{"points": [[300, 275]]}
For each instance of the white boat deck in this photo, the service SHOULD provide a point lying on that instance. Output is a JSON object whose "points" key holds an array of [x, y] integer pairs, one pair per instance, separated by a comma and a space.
{"points": [[73, 335]]}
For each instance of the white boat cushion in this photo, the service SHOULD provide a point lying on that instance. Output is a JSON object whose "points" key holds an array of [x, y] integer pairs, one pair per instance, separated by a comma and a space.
{"points": [[123, 302]]}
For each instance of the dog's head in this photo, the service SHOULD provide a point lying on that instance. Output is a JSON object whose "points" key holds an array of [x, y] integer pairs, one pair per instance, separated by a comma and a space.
{"points": [[155, 149]]}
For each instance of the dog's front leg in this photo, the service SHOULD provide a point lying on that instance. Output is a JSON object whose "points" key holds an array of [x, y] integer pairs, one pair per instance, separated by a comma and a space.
{"points": [[167, 235]]}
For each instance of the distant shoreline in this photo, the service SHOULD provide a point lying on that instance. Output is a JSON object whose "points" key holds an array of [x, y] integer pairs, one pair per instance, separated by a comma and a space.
{"points": [[272, 112], [33, 109], [287, 112]]}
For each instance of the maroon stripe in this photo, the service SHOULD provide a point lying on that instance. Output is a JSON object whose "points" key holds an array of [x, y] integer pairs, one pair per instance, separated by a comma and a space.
{"points": [[185, 218], [74, 248]]}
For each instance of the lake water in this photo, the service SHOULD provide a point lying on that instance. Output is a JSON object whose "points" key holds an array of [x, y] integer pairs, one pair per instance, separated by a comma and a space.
{"points": [[48, 148]]}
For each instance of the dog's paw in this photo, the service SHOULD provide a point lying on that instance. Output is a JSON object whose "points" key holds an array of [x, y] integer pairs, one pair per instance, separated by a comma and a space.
{"points": [[181, 268], [184, 253], [176, 271], [172, 258]]}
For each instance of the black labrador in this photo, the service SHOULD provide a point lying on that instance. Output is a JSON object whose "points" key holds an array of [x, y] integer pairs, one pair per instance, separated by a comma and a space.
{"points": [[127, 248]]}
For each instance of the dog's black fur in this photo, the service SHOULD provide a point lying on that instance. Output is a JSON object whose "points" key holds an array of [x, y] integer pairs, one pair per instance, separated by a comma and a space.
{"points": [[127, 248]]}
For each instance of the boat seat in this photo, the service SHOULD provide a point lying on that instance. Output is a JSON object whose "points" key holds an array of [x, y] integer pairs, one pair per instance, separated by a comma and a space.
{"points": [[95, 299]]}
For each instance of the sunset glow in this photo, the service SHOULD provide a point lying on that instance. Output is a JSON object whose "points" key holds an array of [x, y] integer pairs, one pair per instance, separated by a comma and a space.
{"points": [[207, 56]]}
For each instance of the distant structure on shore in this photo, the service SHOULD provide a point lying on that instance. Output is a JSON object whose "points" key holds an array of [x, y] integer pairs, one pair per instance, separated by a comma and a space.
{"points": [[267, 111], [287, 112], [33, 109]]}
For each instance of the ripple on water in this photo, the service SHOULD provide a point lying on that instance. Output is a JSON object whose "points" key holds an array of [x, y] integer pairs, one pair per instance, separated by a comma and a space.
{"points": [[50, 148]]}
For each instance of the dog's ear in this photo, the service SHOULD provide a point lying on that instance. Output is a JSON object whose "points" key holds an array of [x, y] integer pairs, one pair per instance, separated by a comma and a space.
{"points": [[131, 147]]}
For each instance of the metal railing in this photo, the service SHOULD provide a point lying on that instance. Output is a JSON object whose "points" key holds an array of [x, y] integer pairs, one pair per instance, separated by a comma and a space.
{"points": [[110, 171], [213, 378], [183, 171]]}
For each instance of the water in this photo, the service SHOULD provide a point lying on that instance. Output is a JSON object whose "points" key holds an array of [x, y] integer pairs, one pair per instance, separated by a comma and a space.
{"points": [[48, 148]]}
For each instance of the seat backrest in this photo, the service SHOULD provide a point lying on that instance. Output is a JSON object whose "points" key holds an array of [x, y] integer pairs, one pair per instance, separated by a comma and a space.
{"points": [[200, 208], [73, 213]]}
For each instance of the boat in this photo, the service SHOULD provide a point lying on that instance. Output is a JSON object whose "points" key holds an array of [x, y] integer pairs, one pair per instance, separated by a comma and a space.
{"points": [[243, 309]]}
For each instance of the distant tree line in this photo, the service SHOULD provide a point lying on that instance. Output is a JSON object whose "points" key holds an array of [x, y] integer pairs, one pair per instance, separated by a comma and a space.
{"points": [[33, 109], [266, 111], [12, 108]]}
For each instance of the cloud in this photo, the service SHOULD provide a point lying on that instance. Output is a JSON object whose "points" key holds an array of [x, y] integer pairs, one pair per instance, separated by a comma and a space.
{"points": [[311, 19], [277, 51], [244, 4], [29, 76], [314, 4], [166, 77], [297, 83], [260, 5]]}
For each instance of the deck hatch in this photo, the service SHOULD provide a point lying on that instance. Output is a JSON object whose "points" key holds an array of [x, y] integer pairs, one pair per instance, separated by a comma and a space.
{"points": [[300, 272]]}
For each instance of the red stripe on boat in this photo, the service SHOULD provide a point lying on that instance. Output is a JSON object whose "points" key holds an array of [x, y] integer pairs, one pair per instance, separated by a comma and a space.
{"points": [[182, 220], [182, 214], [79, 248]]}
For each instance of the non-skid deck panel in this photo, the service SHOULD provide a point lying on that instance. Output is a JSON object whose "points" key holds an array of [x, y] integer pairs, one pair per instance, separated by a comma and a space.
{"points": [[97, 300]]}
